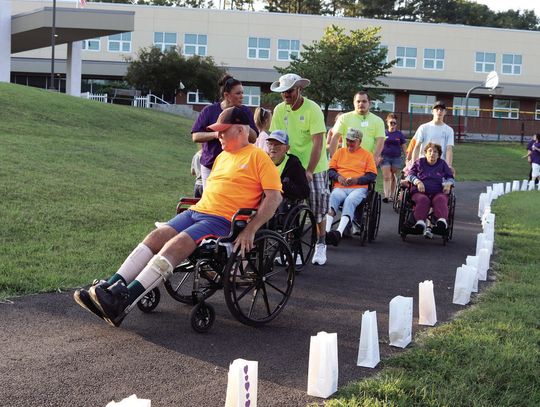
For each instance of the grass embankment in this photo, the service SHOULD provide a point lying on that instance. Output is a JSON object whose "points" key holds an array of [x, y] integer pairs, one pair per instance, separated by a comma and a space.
{"points": [[489, 355], [81, 182]]}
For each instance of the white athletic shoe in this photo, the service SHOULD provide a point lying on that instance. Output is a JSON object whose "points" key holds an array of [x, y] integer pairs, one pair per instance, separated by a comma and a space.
{"points": [[319, 257]]}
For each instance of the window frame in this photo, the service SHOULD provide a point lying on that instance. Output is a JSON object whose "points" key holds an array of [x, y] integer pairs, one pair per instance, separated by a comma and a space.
{"points": [[483, 62], [120, 42], [458, 109], [435, 59], [537, 111], [201, 49], [427, 105], [509, 111], [165, 45], [85, 43], [512, 65], [199, 98], [289, 50], [375, 103], [258, 48], [249, 96], [406, 58]]}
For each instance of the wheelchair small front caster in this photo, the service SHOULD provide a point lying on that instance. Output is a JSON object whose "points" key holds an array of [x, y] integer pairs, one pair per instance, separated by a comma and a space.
{"points": [[202, 317], [150, 300]]}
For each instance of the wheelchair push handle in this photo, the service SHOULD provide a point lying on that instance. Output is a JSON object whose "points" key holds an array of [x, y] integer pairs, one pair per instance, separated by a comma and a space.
{"points": [[239, 221]]}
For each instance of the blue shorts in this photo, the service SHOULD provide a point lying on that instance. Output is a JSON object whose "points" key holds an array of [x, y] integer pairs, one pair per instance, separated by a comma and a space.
{"points": [[394, 162], [200, 225]]}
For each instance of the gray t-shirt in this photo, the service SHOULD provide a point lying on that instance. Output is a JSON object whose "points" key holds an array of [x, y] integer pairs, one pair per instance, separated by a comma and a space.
{"points": [[442, 135]]}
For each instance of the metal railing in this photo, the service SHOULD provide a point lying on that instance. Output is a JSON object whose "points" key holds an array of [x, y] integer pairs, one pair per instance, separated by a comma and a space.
{"points": [[148, 101]]}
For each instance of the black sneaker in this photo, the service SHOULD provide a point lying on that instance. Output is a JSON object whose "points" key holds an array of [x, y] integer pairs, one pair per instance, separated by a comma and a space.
{"points": [[385, 200], [82, 297], [111, 301], [333, 237], [420, 227], [442, 225]]}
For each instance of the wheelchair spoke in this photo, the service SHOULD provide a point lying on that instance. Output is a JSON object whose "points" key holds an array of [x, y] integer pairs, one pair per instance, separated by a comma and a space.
{"points": [[182, 281], [266, 303], [247, 290], [276, 288], [253, 301]]}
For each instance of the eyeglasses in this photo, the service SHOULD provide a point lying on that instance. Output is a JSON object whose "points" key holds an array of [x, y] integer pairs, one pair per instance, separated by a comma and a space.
{"points": [[288, 91], [351, 141], [392, 123]]}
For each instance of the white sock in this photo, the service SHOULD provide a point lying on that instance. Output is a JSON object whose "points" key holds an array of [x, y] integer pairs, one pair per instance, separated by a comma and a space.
{"points": [[343, 222], [135, 262], [158, 268], [329, 220]]}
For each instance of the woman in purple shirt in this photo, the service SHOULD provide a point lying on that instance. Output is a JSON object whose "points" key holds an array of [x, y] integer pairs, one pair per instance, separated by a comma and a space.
{"points": [[232, 94], [391, 164], [432, 179]]}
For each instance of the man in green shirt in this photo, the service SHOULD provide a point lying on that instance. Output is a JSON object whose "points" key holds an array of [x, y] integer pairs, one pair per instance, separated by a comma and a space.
{"points": [[371, 126], [303, 121]]}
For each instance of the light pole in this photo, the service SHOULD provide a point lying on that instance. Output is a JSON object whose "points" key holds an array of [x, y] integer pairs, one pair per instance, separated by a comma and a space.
{"points": [[492, 81], [53, 42]]}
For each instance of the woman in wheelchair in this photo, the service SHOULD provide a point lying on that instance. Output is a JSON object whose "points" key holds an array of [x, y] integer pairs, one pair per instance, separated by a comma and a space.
{"points": [[242, 176], [432, 180]]}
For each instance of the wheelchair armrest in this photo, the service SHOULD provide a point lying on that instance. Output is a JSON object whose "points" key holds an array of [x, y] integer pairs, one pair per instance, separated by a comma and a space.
{"points": [[239, 221], [185, 203]]}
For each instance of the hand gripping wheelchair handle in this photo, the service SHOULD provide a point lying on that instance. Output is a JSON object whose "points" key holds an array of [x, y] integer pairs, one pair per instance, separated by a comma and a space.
{"points": [[239, 221]]}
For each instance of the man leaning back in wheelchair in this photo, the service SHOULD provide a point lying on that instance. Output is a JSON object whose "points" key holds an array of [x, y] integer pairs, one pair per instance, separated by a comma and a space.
{"points": [[243, 176]]}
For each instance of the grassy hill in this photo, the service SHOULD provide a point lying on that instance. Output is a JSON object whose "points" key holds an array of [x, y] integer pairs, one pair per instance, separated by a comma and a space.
{"points": [[81, 182]]}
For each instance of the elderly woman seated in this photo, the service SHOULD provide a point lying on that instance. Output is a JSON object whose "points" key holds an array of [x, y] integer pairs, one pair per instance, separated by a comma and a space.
{"points": [[432, 180]]}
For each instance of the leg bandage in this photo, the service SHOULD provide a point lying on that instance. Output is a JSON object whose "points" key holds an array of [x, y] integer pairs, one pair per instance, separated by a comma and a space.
{"points": [[158, 268], [343, 222], [135, 262]]}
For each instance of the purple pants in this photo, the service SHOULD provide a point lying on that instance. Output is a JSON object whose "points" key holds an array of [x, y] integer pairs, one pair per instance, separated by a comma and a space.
{"points": [[423, 202]]}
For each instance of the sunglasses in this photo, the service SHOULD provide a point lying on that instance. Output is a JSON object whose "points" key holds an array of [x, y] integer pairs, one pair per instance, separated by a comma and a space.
{"points": [[289, 91], [392, 123]]}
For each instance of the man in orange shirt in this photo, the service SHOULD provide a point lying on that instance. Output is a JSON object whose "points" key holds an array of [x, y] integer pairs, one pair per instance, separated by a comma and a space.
{"points": [[241, 176], [351, 169]]}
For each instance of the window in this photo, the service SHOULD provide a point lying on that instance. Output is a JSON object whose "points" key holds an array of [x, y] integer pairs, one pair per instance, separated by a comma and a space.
{"points": [[119, 43], [164, 41], [434, 58], [388, 104], [91, 45], [195, 44], [473, 107], [406, 57], [485, 62], [258, 48], [511, 64], [381, 47], [537, 113], [287, 49], [252, 96], [197, 98], [421, 103], [506, 108]]}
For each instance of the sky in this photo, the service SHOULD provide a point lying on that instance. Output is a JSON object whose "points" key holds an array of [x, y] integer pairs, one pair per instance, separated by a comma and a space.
{"points": [[503, 5]]}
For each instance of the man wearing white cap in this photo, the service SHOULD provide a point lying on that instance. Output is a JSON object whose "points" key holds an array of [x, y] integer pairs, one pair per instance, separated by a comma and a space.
{"points": [[303, 120]]}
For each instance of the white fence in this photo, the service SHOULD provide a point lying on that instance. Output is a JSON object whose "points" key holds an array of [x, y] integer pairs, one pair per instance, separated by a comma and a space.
{"points": [[95, 96], [148, 101]]}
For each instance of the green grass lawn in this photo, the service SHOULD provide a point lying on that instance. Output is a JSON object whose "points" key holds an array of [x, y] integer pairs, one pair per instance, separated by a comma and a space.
{"points": [[489, 355]]}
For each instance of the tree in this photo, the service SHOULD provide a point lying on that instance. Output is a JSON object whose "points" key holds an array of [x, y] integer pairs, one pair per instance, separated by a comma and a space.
{"points": [[340, 64], [161, 73], [295, 6]]}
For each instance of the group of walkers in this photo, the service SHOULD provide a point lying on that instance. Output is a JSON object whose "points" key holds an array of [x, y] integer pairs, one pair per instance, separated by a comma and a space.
{"points": [[260, 161]]}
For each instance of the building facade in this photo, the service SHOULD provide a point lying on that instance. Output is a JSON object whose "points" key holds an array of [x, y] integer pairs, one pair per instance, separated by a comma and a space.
{"points": [[435, 61]]}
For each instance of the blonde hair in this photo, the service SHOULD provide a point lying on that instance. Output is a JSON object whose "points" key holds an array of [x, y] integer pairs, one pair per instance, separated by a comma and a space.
{"points": [[262, 118]]}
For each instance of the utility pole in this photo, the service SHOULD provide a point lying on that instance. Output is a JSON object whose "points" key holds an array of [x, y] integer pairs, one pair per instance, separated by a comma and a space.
{"points": [[53, 42]]}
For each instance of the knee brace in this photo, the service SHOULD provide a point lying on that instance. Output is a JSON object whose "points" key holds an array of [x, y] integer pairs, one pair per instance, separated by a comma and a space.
{"points": [[162, 266]]}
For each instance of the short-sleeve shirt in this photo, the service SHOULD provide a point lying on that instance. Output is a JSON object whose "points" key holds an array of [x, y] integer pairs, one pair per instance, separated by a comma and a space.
{"points": [[535, 155], [441, 134], [238, 180], [371, 126], [207, 117], [301, 125], [392, 144], [352, 165]]}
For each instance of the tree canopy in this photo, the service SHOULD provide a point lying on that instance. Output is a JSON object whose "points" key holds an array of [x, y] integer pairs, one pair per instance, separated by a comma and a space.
{"points": [[340, 64], [161, 73]]}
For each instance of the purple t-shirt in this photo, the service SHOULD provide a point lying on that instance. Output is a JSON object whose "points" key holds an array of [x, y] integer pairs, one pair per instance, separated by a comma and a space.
{"points": [[208, 116], [431, 175], [392, 144], [535, 155]]}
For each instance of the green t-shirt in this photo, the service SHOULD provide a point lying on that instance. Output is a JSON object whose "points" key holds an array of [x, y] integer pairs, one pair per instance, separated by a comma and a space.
{"points": [[371, 126], [301, 125]]}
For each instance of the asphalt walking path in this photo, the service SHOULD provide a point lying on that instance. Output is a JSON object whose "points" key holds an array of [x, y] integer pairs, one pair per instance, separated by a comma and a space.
{"points": [[54, 353]]}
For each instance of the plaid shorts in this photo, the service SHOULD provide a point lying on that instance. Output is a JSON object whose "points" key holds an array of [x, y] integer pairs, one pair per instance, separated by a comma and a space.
{"points": [[319, 195]]}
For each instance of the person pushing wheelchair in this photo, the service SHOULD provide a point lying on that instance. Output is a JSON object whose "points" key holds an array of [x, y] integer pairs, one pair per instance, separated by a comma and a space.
{"points": [[243, 176]]}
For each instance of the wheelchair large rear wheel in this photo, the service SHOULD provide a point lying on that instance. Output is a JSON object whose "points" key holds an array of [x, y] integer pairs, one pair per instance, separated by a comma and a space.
{"points": [[374, 217], [256, 289], [361, 222], [300, 232], [403, 212]]}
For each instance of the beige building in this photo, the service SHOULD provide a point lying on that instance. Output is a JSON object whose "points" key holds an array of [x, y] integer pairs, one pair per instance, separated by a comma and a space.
{"points": [[435, 61]]}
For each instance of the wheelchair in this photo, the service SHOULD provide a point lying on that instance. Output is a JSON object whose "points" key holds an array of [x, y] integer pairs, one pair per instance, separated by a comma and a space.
{"points": [[255, 288], [406, 218], [367, 216], [296, 223]]}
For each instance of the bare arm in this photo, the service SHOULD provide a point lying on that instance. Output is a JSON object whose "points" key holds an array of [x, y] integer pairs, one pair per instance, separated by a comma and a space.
{"points": [[315, 155], [204, 136], [333, 143], [267, 208], [449, 155], [378, 149], [416, 152]]}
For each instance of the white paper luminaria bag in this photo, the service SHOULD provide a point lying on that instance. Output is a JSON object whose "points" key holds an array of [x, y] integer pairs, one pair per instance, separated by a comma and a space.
{"points": [[242, 384], [368, 347], [462, 287], [427, 313], [400, 321], [323, 365]]}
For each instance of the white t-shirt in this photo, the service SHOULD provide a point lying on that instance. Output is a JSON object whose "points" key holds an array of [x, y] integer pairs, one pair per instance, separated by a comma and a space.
{"points": [[442, 135]]}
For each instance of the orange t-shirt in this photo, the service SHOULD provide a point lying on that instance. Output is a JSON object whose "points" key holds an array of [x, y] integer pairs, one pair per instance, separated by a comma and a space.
{"points": [[352, 165], [237, 181]]}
